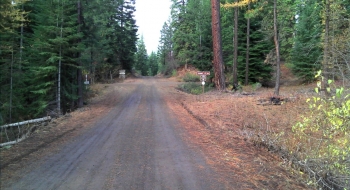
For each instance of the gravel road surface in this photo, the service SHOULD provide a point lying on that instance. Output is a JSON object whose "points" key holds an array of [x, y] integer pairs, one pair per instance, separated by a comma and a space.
{"points": [[137, 145]]}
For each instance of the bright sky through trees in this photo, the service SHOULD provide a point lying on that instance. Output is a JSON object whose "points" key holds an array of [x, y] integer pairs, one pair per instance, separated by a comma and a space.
{"points": [[150, 16]]}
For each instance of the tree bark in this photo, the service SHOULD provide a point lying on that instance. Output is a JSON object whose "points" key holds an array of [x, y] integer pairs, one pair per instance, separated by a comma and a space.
{"points": [[235, 47], [277, 46], [11, 83], [59, 75], [325, 64], [58, 95], [247, 51], [217, 48], [21, 44], [79, 72]]}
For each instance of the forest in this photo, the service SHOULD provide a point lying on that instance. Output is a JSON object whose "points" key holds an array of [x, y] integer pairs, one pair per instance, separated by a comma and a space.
{"points": [[48, 48]]}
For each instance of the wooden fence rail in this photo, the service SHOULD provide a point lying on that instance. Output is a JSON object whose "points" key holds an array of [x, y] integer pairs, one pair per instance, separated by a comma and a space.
{"points": [[26, 122], [24, 134]]}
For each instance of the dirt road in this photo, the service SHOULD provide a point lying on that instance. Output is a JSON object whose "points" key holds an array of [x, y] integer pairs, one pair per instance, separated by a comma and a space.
{"points": [[134, 146]]}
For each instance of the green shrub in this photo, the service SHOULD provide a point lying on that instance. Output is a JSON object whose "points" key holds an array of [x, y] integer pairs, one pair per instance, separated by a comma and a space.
{"points": [[193, 88], [324, 134], [173, 73], [191, 78], [256, 86], [196, 91]]}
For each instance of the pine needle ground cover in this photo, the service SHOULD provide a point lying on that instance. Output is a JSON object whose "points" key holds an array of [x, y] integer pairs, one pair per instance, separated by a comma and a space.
{"points": [[257, 141]]}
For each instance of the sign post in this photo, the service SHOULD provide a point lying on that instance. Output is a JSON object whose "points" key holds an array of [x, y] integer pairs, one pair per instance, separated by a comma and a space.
{"points": [[203, 77], [86, 82], [122, 74]]}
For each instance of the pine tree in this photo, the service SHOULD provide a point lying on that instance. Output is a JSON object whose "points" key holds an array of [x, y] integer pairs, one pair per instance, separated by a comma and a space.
{"points": [[259, 46], [12, 84], [166, 58], [192, 44], [128, 37], [306, 52], [41, 61], [152, 64], [141, 58], [55, 46], [217, 46]]}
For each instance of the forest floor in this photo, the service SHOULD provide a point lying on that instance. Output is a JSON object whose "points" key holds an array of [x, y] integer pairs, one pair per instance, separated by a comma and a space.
{"points": [[229, 134], [226, 126], [234, 124]]}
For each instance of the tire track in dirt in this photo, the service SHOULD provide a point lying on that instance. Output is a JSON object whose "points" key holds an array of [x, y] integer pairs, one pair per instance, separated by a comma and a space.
{"points": [[136, 145]]}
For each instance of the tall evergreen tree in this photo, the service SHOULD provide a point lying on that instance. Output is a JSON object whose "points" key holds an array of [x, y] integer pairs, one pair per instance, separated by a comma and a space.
{"points": [[166, 58], [192, 42], [128, 34], [141, 58], [306, 53], [41, 61], [55, 47], [12, 81], [259, 46], [152, 64], [217, 46]]}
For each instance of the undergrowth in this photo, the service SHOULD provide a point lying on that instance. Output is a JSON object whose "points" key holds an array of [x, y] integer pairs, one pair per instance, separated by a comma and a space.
{"points": [[193, 88], [319, 144], [324, 137], [190, 78], [312, 136]]}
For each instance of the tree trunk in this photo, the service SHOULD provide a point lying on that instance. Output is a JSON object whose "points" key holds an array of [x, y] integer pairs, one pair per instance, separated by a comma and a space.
{"points": [[326, 51], [277, 46], [59, 75], [217, 49], [235, 49], [247, 51], [21, 44], [58, 93], [200, 49], [79, 72], [92, 68], [11, 82]]}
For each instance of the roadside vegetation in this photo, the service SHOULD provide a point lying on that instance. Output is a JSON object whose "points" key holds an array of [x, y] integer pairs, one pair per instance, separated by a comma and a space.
{"points": [[322, 137], [195, 88], [306, 139]]}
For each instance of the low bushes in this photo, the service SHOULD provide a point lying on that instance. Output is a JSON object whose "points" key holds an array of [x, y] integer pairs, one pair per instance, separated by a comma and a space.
{"points": [[193, 88], [191, 78], [324, 137]]}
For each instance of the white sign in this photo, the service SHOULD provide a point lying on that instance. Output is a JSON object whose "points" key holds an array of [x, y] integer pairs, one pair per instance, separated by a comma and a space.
{"points": [[122, 72], [203, 72], [86, 82]]}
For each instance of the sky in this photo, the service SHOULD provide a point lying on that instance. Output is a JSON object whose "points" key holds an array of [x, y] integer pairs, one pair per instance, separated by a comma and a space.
{"points": [[150, 16]]}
